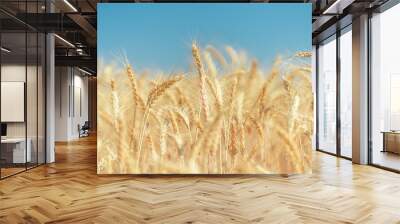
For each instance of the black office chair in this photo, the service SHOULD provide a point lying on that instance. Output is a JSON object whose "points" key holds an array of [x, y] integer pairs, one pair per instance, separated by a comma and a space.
{"points": [[84, 130]]}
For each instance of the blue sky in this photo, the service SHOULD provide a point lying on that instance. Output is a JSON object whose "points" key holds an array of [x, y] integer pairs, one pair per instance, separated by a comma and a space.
{"points": [[159, 36]]}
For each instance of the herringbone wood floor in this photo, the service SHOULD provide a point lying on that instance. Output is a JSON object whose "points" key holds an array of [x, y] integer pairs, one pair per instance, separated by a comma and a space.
{"points": [[69, 191]]}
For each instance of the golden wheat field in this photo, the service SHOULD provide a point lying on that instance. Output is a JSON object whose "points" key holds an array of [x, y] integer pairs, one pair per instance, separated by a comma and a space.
{"points": [[226, 115]]}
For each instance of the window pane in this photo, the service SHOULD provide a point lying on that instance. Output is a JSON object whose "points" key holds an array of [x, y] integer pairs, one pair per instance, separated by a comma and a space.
{"points": [[327, 96], [386, 89], [346, 93]]}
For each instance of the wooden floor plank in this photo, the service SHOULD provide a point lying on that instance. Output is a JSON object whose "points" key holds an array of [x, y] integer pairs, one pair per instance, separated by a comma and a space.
{"points": [[70, 191]]}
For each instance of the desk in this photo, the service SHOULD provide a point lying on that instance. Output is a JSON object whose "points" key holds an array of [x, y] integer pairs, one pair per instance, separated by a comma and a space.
{"points": [[16, 147], [391, 141]]}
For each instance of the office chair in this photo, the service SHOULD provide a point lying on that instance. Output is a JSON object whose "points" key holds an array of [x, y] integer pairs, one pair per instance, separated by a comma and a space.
{"points": [[84, 130]]}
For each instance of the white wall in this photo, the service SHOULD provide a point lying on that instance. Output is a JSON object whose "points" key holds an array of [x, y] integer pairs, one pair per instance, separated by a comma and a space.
{"points": [[62, 82], [33, 127], [16, 73], [71, 93], [79, 117], [9, 73]]}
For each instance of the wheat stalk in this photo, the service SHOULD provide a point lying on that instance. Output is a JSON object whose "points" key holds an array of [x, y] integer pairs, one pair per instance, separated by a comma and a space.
{"points": [[118, 124], [216, 92], [210, 64], [217, 55], [212, 129], [159, 89], [221, 118], [202, 80], [154, 94], [133, 85]]}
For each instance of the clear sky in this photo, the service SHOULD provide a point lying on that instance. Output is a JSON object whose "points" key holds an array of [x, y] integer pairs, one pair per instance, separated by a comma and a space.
{"points": [[159, 36]]}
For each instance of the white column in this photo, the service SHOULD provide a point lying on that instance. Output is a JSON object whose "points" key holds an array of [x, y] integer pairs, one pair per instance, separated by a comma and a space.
{"points": [[50, 99], [360, 90], [50, 92]]}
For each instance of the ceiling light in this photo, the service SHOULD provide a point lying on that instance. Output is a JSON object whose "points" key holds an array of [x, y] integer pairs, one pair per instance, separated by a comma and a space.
{"points": [[337, 7], [79, 51], [333, 6], [5, 50], [84, 71], [65, 41], [70, 5]]}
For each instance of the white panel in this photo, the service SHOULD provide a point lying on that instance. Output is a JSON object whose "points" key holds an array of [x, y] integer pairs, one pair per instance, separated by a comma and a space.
{"points": [[12, 101]]}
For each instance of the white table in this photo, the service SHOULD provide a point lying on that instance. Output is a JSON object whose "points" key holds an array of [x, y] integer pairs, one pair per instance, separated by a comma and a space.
{"points": [[19, 154]]}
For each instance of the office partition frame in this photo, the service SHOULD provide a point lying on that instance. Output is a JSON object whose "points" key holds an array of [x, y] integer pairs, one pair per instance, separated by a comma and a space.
{"points": [[39, 117]]}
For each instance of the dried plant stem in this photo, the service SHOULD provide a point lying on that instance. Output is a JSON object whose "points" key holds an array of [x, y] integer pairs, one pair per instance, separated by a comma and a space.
{"points": [[117, 121], [222, 118], [154, 94], [217, 56], [216, 92], [210, 64], [231, 107], [202, 81], [132, 79]]}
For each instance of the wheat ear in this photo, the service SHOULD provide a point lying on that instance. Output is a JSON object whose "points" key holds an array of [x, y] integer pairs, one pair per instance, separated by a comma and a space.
{"points": [[132, 80], [216, 92], [233, 54], [211, 130], [210, 64], [117, 122], [217, 56], [154, 94], [202, 80]]}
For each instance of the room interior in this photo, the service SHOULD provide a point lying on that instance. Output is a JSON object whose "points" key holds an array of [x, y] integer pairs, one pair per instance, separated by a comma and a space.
{"points": [[49, 112], [22, 102], [385, 79]]}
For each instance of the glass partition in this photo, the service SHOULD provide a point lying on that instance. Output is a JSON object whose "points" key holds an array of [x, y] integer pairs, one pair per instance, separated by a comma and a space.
{"points": [[22, 67], [13, 109], [33, 72]]}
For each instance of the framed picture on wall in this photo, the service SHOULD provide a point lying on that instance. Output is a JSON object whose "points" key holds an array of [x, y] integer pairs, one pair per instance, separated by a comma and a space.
{"points": [[204, 89]]}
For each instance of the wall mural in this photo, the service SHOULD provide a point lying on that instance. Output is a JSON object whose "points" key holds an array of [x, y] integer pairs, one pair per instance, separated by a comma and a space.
{"points": [[204, 89]]}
